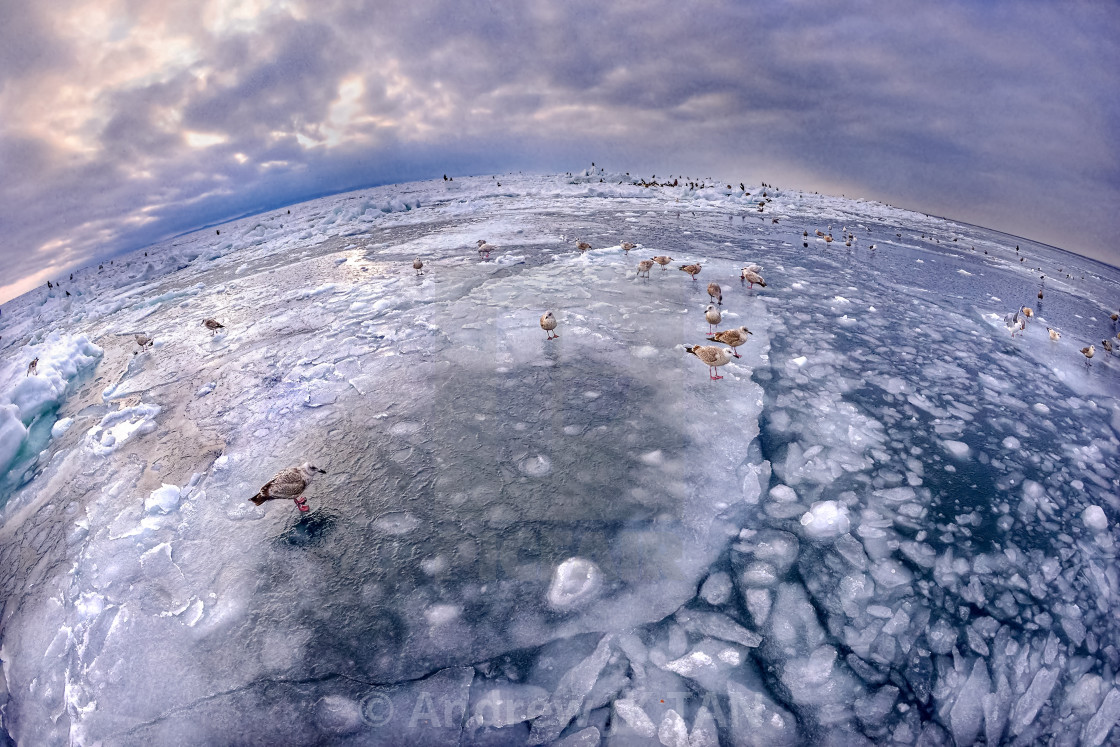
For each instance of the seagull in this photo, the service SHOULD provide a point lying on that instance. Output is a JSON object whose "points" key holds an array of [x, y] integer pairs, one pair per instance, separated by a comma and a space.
{"points": [[645, 266], [1088, 353], [548, 323], [711, 355], [692, 270], [213, 325], [750, 274], [418, 265], [1055, 335], [1107, 345], [143, 341], [713, 316], [662, 260], [289, 483], [1028, 312], [733, 337], [33, 367], [583, 246], [715, 292], [627, 246], [1040, 295], [484, 249]]}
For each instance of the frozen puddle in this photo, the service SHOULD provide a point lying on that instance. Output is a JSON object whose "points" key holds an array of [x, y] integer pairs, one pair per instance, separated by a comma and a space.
{"points": [[890, 521]]}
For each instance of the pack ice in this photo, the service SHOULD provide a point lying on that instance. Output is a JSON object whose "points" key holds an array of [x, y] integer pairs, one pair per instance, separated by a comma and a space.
{"points": [[893, 521]]}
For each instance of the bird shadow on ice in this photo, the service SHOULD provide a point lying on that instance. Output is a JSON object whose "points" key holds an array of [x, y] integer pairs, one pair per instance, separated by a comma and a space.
{"points": [[311, 530]]}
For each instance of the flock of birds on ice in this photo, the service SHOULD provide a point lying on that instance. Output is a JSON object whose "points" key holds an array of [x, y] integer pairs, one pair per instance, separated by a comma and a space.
{"points": [[290, 483]]}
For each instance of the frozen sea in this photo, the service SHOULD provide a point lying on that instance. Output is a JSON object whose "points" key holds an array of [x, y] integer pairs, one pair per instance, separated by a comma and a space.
{"points": [[892, 521]]}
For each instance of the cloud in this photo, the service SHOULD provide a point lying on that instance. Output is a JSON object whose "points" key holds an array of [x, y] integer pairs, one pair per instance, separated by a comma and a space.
{"points": [[124, 122]]}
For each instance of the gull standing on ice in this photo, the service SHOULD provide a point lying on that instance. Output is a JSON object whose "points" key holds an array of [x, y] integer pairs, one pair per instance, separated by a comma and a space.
{"points": [[750, 274], [548, 323], [583, 246], [733, 337], [1088, 353], [713, 316], [213, 325], [692, 270], [1055, 335], [711, 355], [644, 266], [484, 249], [627, 246], [715, 293], [662, 260], [33, 367], [289, 483], [144, 341], [418, 266]]}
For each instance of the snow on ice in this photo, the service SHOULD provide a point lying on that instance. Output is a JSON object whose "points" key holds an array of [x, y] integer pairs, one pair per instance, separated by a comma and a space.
{"points": [[891, 521]]}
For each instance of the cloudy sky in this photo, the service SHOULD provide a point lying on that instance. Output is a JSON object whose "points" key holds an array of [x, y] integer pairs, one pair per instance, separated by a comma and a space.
{"points": [[126, 121]]}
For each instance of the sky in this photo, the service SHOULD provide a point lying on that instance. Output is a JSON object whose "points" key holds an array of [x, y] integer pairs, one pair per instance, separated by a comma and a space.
{"points": [[123, 122]]}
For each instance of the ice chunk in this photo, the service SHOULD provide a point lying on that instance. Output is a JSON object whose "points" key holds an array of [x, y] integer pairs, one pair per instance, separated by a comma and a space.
{"points": [[705, 732], [1094, 518], [163, 500], [958, 449], [12, 434], [673, 731], [500, 705], [757, 721], [567, 698], [634, 717], [339, 715], [968, 710], [715, 625], [1097, 728], [588, 737], [574, 582], [826, 519], [1026, 708], [716, 589]]}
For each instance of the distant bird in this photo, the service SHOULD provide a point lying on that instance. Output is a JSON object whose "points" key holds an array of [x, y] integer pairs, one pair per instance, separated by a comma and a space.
{"points": [[1114, 316], [820, 233], [692, 270], [1107, 345], [711, 355], [1088, 353], [213, 325], [751, 276], [1028, 312], [1055, 335], [627, 246], [1040, 295], [289, 483], [33, 367], [143, 341], [548, 323], [484, 249], [583, 246], [645, 266], [715, 293], [418, 266], [828, 239], [713, 316], [733, 337]]}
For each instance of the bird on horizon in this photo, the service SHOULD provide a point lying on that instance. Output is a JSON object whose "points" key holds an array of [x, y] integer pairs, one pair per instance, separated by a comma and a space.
{"points": [[732, 337], [289, 483], [548, 323], [711, 355]]}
